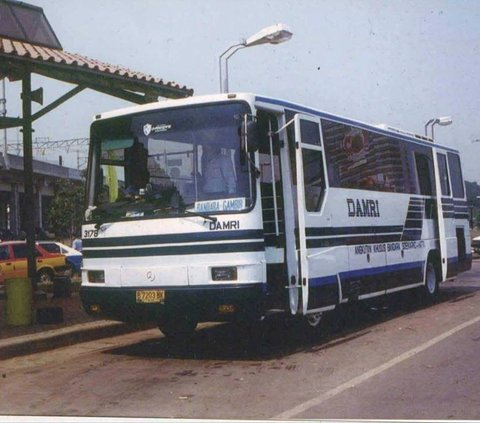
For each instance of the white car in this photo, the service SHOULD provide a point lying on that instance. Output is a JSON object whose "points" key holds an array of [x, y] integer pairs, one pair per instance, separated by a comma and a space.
{"points": [[476, 244], [73, 257]]}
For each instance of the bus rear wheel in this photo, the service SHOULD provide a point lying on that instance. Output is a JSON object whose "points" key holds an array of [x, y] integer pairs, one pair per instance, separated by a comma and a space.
{"points": [[431, 287], [314, 319], [178, 327]]}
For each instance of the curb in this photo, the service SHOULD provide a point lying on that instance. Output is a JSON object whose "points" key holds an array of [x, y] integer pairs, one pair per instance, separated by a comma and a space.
{"points": [[57, 338]]}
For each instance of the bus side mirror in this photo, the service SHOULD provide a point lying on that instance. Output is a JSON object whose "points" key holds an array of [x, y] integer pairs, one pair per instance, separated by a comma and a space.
{"points": [[249, 140]]}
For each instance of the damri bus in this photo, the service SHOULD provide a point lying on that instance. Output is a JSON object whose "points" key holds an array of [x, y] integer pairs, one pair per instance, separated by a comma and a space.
{"points": [[303, 211]]}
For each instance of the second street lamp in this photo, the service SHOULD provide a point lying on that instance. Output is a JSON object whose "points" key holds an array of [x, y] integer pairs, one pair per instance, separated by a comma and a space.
{"points": [[442, 121]]}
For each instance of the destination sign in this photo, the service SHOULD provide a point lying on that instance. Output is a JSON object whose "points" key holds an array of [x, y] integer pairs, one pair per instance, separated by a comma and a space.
{"points": [[227, 204]]}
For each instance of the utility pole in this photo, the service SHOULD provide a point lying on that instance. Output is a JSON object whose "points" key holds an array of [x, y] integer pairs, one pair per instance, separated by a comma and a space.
{"points": [[28, 176], [3, 102]]}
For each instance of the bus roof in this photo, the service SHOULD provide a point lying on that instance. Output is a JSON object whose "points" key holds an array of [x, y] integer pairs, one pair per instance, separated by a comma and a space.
{"points": [[254, 98]]}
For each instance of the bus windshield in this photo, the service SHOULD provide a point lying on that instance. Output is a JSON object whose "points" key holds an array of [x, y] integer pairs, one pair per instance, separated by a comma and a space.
{"points": [[169, 162]]}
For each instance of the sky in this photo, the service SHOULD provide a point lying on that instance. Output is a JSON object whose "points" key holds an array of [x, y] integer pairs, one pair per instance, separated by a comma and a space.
{"points": [[395, 62]]}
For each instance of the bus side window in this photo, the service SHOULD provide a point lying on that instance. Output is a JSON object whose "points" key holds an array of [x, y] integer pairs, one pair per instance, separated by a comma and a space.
{"points": [[314, 179], [443, 170], [422, 163], [456, 175]]}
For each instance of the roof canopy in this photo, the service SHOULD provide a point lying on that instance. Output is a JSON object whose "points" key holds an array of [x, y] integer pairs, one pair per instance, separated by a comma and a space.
{"points": [[18, 58]]}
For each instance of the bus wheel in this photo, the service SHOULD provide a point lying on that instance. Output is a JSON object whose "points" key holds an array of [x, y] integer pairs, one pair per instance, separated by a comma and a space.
{"points": [[313, 327], [314, 319], [430, 289], [178, 328]]}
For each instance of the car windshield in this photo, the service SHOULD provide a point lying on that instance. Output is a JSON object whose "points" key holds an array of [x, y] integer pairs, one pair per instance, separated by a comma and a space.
{"points": [[51, 247], [168, 162]]}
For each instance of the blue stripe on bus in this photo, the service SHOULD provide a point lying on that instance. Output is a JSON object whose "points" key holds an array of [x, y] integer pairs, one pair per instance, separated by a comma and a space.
{"points": [[352, 230], [173, 238], [352, 240], [321, 281], [382, 269], [359, 273], [237, 247]]}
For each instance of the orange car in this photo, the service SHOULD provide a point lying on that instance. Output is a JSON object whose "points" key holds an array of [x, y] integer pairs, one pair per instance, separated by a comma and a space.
{"points": [[13, 262]]}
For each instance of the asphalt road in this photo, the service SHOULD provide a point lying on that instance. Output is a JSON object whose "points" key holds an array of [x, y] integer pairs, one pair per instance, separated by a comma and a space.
{"points": [[396, 360]]}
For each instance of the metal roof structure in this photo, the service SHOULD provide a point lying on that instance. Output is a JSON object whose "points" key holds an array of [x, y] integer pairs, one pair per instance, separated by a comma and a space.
{"points": [[18, 57], [25, 22]]}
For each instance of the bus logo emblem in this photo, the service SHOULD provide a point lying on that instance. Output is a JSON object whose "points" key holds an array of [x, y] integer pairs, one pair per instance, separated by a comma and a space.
{"points": [[147, 128]]}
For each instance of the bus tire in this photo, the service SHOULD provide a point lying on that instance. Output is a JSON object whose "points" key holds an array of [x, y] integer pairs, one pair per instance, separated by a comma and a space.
{"points": [[314, 319], [178, 328], [314, 326], [430, 288]]}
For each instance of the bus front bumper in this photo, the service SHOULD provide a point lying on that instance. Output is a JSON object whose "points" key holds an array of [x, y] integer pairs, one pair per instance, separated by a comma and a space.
{"points": [[203, 303]]}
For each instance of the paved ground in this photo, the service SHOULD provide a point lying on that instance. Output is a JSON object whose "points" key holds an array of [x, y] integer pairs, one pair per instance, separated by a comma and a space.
{"points": [[402, 361]]}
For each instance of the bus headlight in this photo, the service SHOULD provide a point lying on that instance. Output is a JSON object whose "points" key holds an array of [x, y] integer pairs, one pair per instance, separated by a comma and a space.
{"points": [[224, 273], [96, 276]]}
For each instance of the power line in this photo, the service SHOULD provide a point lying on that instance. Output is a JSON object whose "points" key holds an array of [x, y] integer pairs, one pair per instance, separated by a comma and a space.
{"points": [[43, 143]]}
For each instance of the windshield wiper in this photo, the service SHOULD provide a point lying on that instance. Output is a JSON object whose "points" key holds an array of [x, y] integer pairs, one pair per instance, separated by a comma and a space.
{"points": [[204, 215]]}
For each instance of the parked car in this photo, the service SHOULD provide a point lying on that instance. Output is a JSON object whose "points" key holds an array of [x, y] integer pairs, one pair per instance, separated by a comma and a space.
{"points": [[13, 262], [476, 244], [74, 257]]}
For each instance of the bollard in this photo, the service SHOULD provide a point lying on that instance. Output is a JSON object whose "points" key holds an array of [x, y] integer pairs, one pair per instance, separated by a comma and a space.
{"points": [[62, 287], [18, 307]]}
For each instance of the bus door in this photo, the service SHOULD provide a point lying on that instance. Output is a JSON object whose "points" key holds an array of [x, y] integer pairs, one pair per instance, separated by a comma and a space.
{"points": [[310, 189], [445, 208], [272, 199]]}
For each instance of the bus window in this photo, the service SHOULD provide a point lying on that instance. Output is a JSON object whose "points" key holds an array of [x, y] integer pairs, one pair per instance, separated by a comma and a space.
{"points": [[422, 164], [314, 180], [443, 170], [456, 175], [310, 132], [361, 159]]}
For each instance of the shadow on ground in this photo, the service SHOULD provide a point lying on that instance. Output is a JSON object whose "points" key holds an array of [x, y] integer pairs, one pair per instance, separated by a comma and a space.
{"points": [[278, 336]]}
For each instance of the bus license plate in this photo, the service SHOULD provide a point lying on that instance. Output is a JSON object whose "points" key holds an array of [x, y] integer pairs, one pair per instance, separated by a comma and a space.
{"points": [[157, 296]]}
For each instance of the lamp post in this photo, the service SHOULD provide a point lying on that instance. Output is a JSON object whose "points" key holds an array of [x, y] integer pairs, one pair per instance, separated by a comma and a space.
{"points": [[274, 34], [442, 121]]}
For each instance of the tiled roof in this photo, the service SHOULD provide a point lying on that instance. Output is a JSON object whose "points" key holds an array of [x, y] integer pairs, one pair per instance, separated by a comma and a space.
{"points": [[24, 50]]}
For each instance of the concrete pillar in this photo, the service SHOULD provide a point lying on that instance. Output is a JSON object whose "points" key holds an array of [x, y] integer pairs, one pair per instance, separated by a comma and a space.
{"points": [[15, 210], [40, 209]]}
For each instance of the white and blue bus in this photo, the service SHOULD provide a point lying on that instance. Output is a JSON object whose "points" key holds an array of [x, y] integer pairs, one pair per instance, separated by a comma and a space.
{"points": [[317, 210]]}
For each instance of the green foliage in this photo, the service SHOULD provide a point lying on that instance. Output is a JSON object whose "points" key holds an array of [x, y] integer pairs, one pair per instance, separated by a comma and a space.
{"points": [[67, 208]]}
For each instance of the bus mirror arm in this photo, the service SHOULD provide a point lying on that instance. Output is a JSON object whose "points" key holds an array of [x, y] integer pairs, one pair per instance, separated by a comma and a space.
{"points": [[272, 133]]}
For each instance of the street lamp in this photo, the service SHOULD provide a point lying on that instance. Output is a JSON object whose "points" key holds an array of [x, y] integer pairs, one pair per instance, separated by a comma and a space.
{"points": [[274, 34], [442, 121]]}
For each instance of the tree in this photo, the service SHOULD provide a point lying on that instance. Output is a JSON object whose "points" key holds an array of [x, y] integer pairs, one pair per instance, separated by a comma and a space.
{"points": [[473, 200], [67, 208]]}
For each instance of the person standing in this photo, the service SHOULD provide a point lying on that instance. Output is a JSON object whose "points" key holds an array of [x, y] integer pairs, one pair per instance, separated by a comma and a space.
{"points": [[217, 172], [77, 243]]}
